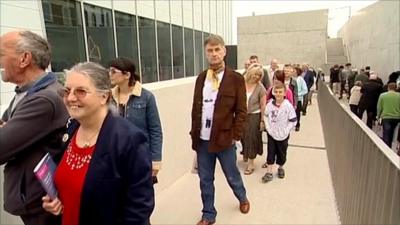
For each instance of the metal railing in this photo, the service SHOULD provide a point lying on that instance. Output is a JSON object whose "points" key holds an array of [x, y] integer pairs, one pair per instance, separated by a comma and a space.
{"points": [[365, 172]]}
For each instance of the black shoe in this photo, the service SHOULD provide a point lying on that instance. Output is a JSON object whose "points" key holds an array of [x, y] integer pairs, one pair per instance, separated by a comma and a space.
{"points": [[297, 129], [267, 177], [281, 173], [304, 113]]}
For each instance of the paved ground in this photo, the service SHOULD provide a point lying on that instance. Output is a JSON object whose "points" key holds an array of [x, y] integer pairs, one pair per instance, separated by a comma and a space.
{"points": [[305, 196]]}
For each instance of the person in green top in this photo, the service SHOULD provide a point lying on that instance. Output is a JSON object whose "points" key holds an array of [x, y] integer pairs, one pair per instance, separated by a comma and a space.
{"points": [[389, 112]]}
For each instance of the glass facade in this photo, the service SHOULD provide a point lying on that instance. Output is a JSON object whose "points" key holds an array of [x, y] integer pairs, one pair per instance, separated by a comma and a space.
{"points": [[164, 51], [198, 53], [189, 54], [126, 34], [100, 34], [205, 65], [64, 31], [79, 31], [177, 48], [148, 57]]}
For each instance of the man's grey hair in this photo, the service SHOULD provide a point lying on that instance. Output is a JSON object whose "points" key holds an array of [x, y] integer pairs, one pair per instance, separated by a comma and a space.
{"points": [[95, 72], [37, 46]]}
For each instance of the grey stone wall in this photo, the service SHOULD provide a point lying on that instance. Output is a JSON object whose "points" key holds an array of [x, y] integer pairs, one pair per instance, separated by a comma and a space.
{"points": [[290, 37], [371, 37]]}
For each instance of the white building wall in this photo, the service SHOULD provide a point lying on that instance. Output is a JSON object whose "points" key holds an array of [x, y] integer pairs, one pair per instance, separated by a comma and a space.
{"points": [[197, 16], [220, 12], [162, 10], [213, 16], [188, 13], [176, 12], [206, 15], [145, 8], [125, 6]]}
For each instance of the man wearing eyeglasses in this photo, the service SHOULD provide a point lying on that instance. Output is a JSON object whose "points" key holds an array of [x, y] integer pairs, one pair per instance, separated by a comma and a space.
{"points": [[32, 125]]}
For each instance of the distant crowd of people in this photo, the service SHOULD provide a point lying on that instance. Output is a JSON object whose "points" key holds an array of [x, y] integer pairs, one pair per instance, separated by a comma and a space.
{"points": [[366, 92]]}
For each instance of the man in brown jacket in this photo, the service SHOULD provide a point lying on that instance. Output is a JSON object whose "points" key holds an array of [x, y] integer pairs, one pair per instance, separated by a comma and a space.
{"points": [[218, 117]]}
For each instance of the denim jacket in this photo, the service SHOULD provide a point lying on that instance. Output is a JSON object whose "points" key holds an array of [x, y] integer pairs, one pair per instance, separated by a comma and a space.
{"points": [[141, 110]]}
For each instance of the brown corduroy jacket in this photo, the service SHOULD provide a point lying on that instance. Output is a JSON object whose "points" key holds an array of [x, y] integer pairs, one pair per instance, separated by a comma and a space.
{"points": [[230, 111]]}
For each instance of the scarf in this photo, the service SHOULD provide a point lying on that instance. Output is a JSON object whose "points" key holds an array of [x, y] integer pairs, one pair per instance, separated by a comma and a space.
{"points": [[212, 74]]}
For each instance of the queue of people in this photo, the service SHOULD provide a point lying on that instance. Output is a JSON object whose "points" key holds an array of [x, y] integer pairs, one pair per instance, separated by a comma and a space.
{"points": [[103, 130], [367, 93]]}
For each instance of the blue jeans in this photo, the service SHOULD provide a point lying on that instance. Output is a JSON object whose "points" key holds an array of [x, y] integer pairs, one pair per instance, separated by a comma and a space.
{"points": [[388, 130], [206, 168]]}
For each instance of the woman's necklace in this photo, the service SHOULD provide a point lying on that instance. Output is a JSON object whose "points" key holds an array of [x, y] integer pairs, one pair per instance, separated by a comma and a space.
{"points": [[87, 142], [77, 159]]}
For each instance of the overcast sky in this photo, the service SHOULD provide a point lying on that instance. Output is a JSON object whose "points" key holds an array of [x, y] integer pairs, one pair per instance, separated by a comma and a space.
{"points": [[338, 14]]}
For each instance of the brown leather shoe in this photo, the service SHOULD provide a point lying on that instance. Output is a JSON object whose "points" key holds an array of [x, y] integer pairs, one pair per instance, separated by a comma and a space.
{"points": [[205, 222], [244, 207]]}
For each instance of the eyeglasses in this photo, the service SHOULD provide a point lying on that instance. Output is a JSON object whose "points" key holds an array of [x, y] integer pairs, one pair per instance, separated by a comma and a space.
{"points": [[77, 92]]}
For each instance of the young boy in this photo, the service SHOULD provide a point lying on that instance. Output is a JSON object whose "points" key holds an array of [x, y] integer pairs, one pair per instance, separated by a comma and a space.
{"points": [[281, 119]]}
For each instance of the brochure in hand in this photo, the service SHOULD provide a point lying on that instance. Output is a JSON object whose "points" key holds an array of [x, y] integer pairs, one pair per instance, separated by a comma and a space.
{"points": [[44, 172]]}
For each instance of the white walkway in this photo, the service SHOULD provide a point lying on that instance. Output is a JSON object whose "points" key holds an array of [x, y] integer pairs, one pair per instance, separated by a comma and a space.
{"points": [[305, 196]]}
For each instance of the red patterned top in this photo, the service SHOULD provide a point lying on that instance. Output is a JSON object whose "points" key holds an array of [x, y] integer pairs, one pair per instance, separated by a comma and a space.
{"points": [[69, 178]]}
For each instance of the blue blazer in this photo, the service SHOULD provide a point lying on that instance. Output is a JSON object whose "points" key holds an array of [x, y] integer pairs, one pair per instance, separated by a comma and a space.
{"points": [[118, 188]]}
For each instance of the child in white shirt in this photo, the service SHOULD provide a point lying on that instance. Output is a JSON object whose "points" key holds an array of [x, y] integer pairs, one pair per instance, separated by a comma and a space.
{"points": [[281, 119]]}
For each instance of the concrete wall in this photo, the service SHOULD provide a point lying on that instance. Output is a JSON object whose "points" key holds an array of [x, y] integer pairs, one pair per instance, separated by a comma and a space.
{"points": [[372, 37], [290, 37]]}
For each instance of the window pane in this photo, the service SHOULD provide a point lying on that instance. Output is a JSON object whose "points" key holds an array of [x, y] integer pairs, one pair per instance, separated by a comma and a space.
{"points": [[177, 45], [189, 60], [100, 37], [127, 36], [164, 50], [198, 55], [148, 50], [63, 22], [205, 35]]}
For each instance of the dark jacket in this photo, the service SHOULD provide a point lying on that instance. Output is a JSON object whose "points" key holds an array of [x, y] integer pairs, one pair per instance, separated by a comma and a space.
{"points": [[142, 111], [370, 95], [34, 128], [334, 76], [230, 111], [362, 77], [309, 79], [118, 187]]}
